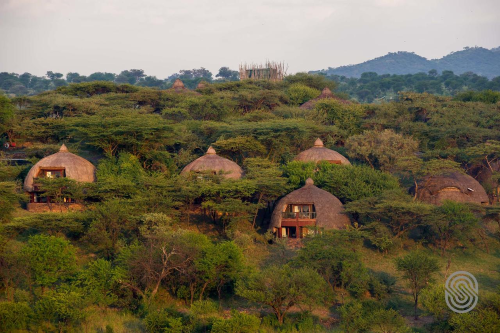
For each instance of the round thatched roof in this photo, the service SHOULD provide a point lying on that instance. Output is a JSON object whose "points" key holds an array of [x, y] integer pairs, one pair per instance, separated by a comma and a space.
{"points": [[212, 162], [320, 153], [326, 93], [178, 86], [329, 209], [453, 186], [75, 167], [202, 84]]}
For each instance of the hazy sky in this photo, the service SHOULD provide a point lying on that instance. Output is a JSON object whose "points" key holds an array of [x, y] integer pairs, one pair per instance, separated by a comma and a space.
{"points": [[163, 36]]}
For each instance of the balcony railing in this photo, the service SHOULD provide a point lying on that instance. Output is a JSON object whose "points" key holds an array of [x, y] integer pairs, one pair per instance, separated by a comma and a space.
{"points": [[299, 215]]}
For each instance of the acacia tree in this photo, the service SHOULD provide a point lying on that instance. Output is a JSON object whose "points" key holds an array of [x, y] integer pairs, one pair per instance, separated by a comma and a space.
{"points": [[114, 130], [280, 288], [417, 268], [62, 191], [147, 266], [452, 221], [268, 181], [394, 209], [381, 149]]}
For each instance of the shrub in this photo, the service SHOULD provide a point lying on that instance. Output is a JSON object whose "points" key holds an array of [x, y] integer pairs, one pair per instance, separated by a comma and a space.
{"points": [[238, 323], [299, 93], [14, 316]]}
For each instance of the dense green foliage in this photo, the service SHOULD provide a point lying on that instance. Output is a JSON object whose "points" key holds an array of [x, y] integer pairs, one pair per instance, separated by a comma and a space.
{"points": [[370, 86]]}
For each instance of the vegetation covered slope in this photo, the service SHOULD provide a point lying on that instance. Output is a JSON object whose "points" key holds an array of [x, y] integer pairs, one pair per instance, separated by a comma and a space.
{"points": [[154, 251]]}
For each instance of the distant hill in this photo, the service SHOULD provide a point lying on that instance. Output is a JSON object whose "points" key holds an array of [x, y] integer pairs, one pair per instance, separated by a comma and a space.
{"points": [[478, 60]]}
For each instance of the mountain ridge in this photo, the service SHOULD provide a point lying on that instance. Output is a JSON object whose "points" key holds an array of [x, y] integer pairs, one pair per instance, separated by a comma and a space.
{"points": [[478, 60]]}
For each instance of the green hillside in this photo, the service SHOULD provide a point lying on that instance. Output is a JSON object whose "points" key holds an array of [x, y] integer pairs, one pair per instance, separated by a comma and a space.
{"points": [[146, 247]]}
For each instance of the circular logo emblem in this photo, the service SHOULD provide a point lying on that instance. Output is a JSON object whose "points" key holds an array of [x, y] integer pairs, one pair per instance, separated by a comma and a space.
{"points": [[461, 292]]}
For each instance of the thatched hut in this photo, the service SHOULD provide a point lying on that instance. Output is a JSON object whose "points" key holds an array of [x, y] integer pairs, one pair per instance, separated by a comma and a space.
{"points": [[179, 86], [325, 94], [453, 186], [202, 85], [319, 153], [307, 207], [214, 163], [61, 164]]}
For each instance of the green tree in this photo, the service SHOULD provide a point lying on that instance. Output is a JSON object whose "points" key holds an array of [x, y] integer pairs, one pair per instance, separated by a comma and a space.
{"points": [[354, 182], [280, 288], [113, 223], [219, 265], [6, 114], [64, 308], [268, 181], [315, 81], [227, 74], [299, 93], [346, 117], [386, 321], [62, 191], [48, 259], [14, 316], [120, 129], [381, 149], [147, 266], [394, 209], [339, 265], [452, 221], [484, 318], [99, 281], [417, 268], [9, 199]]}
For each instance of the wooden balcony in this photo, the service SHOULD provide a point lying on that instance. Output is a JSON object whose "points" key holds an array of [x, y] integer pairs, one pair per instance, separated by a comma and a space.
{"points": [[298, 219]]}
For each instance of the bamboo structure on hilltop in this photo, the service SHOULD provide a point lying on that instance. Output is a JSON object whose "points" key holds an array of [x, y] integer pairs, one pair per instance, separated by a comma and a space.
{"points": [[271, 70]]}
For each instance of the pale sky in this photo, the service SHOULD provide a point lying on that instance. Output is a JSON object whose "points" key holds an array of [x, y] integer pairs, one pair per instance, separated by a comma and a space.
{"points": [[163, 36]]}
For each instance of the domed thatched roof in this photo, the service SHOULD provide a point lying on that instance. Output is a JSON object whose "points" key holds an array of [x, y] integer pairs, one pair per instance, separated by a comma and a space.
{"points": [[75, 167], [329, 209], [326, 93], [211, 161], [320, 153], [178, 86], [202, 84], [453, 186]]}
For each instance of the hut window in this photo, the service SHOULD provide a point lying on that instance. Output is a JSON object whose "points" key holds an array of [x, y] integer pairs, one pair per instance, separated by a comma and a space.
{"points": [[335, 161], [304, 211], [51, 173]]}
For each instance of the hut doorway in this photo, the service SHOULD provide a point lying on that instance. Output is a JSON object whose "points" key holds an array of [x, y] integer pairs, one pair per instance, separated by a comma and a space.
{"points": [[296, 218], [288, 232]]}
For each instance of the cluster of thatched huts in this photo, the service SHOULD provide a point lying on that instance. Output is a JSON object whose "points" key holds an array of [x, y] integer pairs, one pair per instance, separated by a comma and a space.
{"points": [[295, 215]]}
